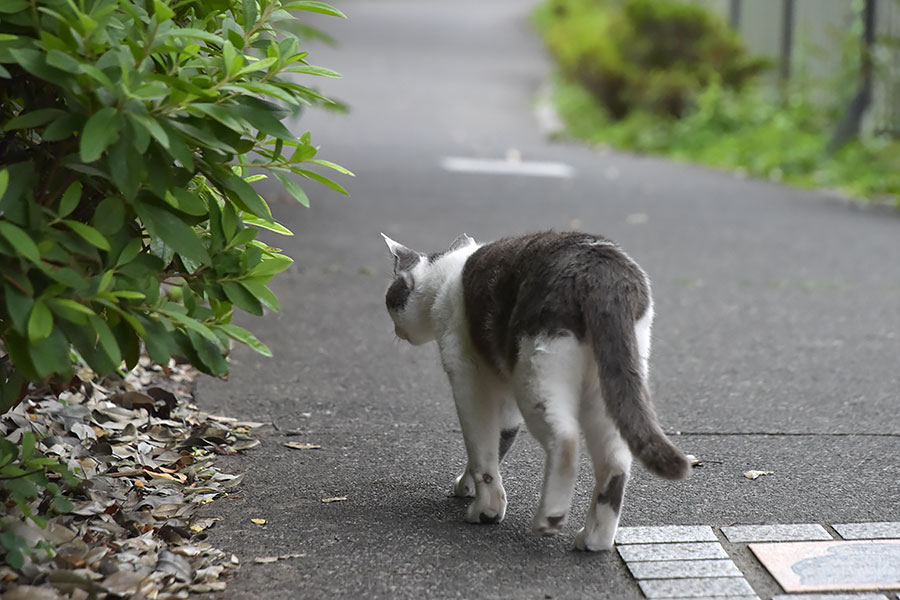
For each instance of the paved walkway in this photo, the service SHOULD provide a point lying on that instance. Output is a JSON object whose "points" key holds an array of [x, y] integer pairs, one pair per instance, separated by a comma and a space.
{"points": [[776, 340]]}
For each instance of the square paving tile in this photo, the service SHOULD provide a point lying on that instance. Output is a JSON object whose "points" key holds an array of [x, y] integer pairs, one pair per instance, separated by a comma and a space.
{"points": [[675, 569], [689, 551], [668, 533], [832, 566], [868, 531], [695, 588], [776, 533]]}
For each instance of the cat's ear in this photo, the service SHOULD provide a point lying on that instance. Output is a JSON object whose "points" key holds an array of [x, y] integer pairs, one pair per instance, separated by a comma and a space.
{"points": [[404, 258], [461, 242]]}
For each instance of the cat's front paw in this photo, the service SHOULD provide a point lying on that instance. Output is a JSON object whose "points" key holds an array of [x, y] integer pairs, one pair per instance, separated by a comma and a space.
{"points": [[583, 543], [464, 486], [548, 525], [489, 505]]}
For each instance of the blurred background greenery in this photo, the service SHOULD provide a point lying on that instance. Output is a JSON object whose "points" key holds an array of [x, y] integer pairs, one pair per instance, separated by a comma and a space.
{"points": [[801, 91]]}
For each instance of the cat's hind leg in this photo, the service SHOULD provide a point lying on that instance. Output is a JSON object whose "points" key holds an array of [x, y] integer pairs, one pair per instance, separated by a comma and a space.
{"points": [[547, 383], [612, 462]]}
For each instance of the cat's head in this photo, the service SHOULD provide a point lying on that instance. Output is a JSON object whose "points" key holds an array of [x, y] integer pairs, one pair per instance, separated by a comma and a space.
{"points": [[410, 296]]}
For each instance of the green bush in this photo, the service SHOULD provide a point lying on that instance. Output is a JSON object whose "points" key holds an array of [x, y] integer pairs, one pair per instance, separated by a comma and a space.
{"points": [[648, 55], [131, 131]]}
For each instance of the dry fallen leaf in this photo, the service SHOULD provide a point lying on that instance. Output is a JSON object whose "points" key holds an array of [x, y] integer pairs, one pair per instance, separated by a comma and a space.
{"points": [[264, 560], [335, 499], [302, 446], [756, 474], [258, 521]]}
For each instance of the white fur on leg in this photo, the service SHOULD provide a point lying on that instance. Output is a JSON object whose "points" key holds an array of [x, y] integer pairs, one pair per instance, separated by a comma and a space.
{"points": [[464, 485], [478, 404], [611, 459], [547, 383]]}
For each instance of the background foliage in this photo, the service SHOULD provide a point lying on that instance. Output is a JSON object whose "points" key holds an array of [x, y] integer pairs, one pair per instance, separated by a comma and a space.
{"points": [[131, 130], [735, 123]]}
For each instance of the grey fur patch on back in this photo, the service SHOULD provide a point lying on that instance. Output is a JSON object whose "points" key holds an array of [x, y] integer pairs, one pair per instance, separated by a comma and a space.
{"points": [[541, 284]]}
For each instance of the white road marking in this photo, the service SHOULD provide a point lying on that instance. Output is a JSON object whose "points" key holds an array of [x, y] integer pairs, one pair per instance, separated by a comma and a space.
{"points": [[491, 166]]}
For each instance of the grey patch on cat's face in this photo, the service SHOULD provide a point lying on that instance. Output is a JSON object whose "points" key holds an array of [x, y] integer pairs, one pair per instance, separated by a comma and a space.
{"points": [[397, 295], [613, 494], [539, 284], [507, 437]]}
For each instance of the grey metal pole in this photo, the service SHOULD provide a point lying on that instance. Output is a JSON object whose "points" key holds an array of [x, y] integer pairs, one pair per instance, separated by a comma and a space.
{"points": [[787, 39], [734, 15]]}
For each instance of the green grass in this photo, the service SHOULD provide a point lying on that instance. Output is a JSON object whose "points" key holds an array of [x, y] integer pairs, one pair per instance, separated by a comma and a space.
{"points": [[756, 131]]}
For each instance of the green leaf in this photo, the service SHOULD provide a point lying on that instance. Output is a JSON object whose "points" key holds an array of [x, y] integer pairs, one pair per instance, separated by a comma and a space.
{"points": [[63, 62], [12, 7], [313, 70], [271, 226], [99, 132], [163, 12], [109, 216], [28, 443], [173, 231], [272, 265], [4, 181], [191, 324], [62, 505], [262, 293], [19, 306], [245, 337], [33, 118], [321, 179], [51, 355], [153, 128], [107, 341], [211, 355], [330, 165], [316, 7], [70, 199], [40, 323], [242, 297], [246, 197], [292, 188], [70, 309], [15, 558], [21, 241], [91, 235]]}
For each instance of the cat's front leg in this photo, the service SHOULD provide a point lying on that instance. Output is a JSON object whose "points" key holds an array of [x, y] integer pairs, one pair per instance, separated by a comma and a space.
{"points": [[510, 421], [479, 417]]}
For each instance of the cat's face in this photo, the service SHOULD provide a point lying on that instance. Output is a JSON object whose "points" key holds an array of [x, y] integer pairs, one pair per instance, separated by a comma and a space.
{"points": [[404, 297], [410, 296]]}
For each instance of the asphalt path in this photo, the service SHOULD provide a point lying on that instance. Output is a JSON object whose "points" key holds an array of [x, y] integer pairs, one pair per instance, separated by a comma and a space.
{"points": [[775, 348]]}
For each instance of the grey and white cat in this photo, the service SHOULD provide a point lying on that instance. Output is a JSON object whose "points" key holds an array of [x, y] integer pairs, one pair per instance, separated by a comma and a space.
{"points": [[549, 328]]}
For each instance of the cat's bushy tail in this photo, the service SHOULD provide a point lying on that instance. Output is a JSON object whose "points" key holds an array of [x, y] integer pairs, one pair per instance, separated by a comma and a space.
{"points": [[627, 399]]}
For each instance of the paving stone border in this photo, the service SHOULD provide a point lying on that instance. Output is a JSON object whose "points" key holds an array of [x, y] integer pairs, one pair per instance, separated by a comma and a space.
{"points": [[688, 562]]}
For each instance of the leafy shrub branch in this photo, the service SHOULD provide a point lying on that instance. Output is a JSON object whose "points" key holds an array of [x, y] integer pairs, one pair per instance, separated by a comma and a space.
{"points": [[131, 132]]}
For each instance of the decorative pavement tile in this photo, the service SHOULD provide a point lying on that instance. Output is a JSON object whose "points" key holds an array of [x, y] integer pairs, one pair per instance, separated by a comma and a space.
{"points": [[689, 551], [669, 533], [674, 569], [716, 598], [832, 566], [868, 531], [775, 533], [830, 597], [695, 588]]}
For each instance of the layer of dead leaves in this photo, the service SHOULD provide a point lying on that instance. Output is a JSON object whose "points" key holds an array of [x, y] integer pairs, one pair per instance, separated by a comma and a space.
{"points": [[146, 456]]}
